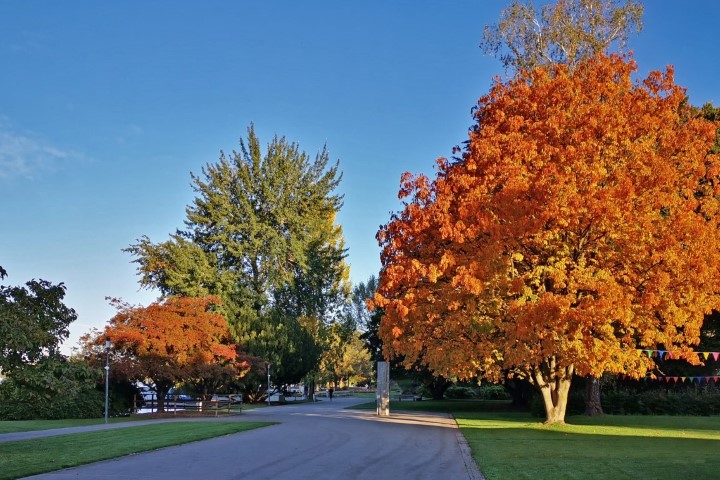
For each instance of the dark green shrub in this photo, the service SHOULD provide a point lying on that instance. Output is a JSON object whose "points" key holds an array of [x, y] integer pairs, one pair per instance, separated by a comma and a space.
{"points": [[659, 402], [643, 398], [460, 392], [52, 389], [492, 391]]}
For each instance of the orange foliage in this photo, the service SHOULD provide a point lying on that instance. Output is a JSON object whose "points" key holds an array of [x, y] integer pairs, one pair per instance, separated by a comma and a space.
{"points": [[182, 330], [168, 341], [580, 224]]}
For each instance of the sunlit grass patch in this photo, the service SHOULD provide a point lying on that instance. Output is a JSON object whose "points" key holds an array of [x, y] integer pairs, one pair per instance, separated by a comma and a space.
{"points": [[593, 447]]}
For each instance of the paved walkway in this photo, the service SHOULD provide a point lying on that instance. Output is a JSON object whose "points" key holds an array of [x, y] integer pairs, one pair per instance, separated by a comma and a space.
{"points": [[312, 441]]}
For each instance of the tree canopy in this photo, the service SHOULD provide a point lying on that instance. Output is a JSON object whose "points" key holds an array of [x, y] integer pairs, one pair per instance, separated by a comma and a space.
{"points": [[580, 224], [33, 322], [166, 342], [261, 235], [566, 31]]}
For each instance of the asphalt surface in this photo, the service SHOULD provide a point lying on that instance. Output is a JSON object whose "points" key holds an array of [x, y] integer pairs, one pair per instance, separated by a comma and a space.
{"points": [[312, 441]]}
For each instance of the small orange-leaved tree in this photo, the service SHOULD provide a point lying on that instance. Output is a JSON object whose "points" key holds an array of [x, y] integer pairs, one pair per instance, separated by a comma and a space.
{"points": [[169, 341], [580, 224]]}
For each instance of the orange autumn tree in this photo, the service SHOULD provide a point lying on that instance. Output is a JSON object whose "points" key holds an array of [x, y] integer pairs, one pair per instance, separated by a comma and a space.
{"points": [[168, 341], [580, 224]]}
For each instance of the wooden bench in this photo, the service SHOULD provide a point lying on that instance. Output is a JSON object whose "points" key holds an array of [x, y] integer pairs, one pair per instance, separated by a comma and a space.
{"points": [[408, 398]]}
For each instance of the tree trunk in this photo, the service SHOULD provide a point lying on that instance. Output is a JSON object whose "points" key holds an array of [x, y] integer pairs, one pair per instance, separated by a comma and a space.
{"points": [[161, 394], [593, 406], [553, 382]]}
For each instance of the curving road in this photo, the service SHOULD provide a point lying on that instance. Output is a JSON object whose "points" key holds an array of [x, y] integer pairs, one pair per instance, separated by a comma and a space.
{"points": [[312, 441]]}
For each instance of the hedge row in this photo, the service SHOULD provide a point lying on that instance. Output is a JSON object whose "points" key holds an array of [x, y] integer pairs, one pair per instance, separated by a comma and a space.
{"points": [[625, 402]]}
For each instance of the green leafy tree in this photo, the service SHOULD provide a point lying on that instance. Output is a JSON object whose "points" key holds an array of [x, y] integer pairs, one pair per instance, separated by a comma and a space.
{"points": [[260, 235], [33, 323], [53, 388], [335, 340], [285, 342], [320, 289], [355, 364], [361, 293], [41, 382], [567, 31]]}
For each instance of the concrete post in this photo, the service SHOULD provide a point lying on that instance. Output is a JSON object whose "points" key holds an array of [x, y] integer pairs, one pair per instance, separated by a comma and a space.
{"points": [[383, 389]]}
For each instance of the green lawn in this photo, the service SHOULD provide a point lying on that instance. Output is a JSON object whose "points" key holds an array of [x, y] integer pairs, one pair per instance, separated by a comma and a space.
{"points": [[514, 445], [29, 425], [517, 446], [364, 395], [29, 457]]}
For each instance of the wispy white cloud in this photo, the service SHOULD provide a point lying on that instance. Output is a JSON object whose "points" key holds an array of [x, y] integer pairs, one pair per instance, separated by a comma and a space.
{"points": [[24, 154]]}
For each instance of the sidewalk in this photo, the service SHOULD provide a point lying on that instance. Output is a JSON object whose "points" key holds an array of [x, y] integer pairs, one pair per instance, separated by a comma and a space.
{"points": [[316, 441]]}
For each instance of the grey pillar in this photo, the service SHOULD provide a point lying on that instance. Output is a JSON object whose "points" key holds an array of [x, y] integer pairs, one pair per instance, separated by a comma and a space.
{"points": [[383, 389]]}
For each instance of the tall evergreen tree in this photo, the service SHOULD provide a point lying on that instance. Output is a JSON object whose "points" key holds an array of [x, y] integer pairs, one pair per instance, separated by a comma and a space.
{"points": [[261, 235]]}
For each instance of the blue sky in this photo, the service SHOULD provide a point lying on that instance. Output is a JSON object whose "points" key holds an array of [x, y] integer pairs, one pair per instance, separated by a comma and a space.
{"points": [[106, 108]]}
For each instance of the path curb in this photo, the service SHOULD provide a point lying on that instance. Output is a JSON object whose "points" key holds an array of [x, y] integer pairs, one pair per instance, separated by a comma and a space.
{"points": [[472, 468]]}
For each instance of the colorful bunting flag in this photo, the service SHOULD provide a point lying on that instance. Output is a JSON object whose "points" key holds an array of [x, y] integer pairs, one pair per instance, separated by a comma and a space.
{"points": [[668, 355], [682, 379]]}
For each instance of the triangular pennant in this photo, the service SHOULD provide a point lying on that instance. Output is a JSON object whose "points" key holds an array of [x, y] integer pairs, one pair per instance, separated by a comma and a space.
{"points": [[715, 379], [683, 379], [661, 353], [706, 355], [648, 353], [715, 355], [707, 379], [669, 355], [675, 379]]}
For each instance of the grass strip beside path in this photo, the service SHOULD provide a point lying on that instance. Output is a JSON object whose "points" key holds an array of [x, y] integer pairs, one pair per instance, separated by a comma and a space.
{"points": [[508, 444], [14, 426], [29, 457]]}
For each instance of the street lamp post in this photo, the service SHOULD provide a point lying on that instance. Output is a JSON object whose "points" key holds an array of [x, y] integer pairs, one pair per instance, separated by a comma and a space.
{"points": [[268, 387], [107, 379]]}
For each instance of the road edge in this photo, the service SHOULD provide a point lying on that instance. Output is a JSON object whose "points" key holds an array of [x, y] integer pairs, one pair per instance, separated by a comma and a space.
{"points": [[473, 471]]}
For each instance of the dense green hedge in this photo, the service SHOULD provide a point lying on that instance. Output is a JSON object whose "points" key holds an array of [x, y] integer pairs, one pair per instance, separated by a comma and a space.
{"points": [[54, 389], [661, 403], [650, 402], [460, 392]]}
